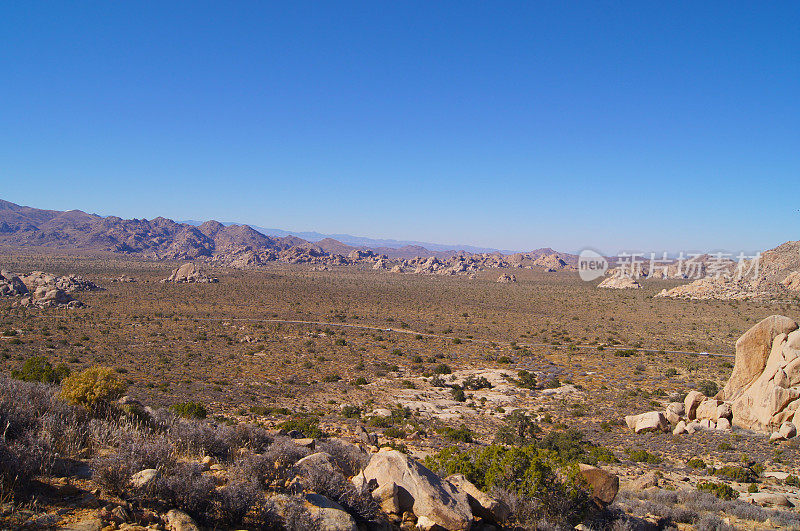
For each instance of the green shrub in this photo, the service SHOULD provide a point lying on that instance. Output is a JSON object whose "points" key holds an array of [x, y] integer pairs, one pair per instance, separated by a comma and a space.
{"points": [[190, 410], [708, 388], [442, 368], [92, 387], [458, 394], [696, 462], [308, 426], [519, 430], [642, 456], [527, 471], [351, 412], [792, 480], [752, 488], [394, 433], [39, 369], [736, 473], [720, 490], [461, 434], [474, 383], [525, 379]]}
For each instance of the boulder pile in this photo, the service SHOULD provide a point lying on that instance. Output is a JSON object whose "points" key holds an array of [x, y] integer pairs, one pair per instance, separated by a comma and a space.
{"points": [[45, 290], [619, 281], [762, 394], [505, 278], [189, 273], [11, 285]]}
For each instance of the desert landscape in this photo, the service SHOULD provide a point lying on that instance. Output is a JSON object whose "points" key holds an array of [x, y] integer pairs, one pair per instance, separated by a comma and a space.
{"points": [[649, 411], [399, 266]]}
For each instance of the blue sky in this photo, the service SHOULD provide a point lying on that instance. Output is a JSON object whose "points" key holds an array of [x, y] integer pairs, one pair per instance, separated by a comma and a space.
{"points": [[616, 125]]}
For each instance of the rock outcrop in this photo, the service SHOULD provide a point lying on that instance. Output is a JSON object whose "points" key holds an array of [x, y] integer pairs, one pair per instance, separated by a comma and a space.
{"points": [[505, 278], [189, 273], [619, 282], [752, 351], [792, 281], [762, 394]]}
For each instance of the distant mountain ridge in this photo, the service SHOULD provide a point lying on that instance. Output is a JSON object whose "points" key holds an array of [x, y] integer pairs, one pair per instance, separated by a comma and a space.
{"points": [[364, 242], [162, 238]]}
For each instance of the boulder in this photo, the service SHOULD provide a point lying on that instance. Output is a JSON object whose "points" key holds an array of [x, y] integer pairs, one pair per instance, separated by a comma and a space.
{"points": [[650, 479], [482, 504], [387, 497], [320, 461], [87, 524], [143, 477], [505, 278], [787, 430], [723, 424], [691, 402], [650, 421], [708, 424], [674, 412], [752, 351], [680, 428], [330, 515], [707, 409], [774, 397], [436, 501], [180, 521], [603, 485], [770, 499]]}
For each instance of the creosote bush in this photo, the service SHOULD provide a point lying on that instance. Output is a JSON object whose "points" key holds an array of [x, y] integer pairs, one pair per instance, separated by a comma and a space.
{"points": [[92, 387], [39, 369], [190, 410]]}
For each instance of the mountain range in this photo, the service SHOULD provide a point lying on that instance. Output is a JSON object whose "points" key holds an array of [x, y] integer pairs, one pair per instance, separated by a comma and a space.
{"points": [[28, 227], [362, 242]]}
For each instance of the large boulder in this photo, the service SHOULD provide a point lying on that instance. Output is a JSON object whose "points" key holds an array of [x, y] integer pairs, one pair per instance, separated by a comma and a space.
{"points": [[650, 421], [772, 398], [604, 485], [692, 402], [674, 412], [752, 351], [482, 504], [330, 515], [434, 501]]}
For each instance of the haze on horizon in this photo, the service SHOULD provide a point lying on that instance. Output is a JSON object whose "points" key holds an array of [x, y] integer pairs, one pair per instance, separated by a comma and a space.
{"points": [[513, 126]]}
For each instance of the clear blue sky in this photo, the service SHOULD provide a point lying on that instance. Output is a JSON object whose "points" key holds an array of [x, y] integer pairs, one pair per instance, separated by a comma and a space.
{"points": [[617, 125]]}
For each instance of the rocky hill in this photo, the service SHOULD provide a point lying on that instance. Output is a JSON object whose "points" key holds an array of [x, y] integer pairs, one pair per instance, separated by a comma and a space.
{"points": [[236, 245]]}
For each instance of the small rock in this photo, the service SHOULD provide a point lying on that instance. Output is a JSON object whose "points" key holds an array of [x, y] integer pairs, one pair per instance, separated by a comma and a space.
{"points": [[88, 524], [180, 521], [680, 428], [143, 477], [649, 479]]}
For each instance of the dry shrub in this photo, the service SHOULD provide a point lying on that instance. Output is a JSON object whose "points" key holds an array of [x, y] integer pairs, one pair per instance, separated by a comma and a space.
{"points": [[92, 387]]}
